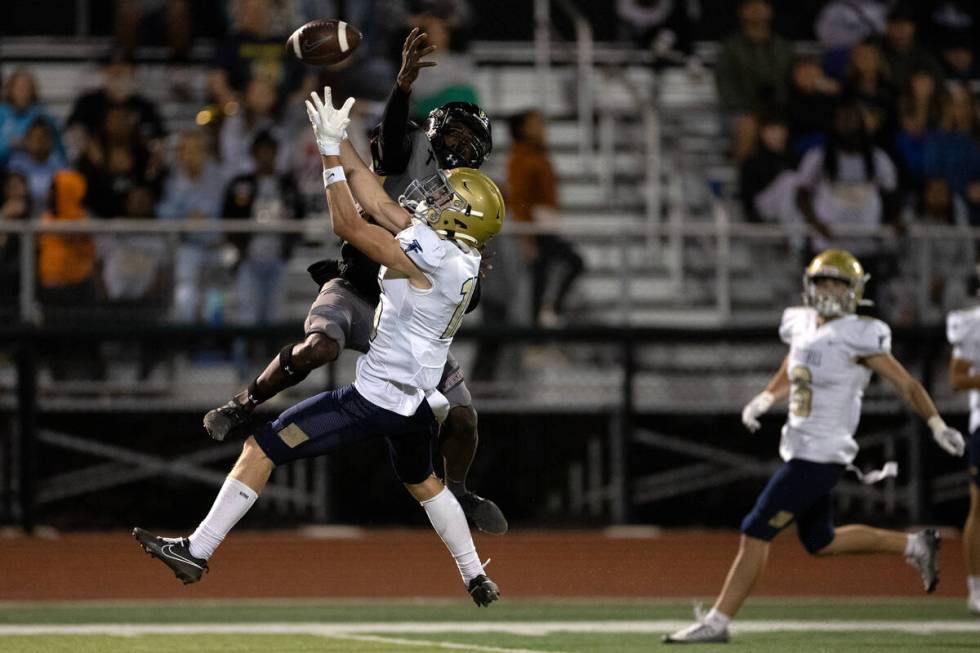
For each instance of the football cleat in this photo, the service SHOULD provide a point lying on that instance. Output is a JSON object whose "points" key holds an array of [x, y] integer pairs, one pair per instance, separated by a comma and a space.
{"points": [[483, 590], [926, 560], [173, 552], [484, 513], [230, 419], [699, 633]]}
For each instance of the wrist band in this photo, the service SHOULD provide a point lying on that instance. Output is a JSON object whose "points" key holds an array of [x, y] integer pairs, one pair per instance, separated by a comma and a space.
{"points": [[936, 423], [333, 175], [329, 149]]}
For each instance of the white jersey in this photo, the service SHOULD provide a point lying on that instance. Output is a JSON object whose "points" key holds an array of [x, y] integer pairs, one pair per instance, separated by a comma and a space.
{"points": [[963, 333], [414, 327], [827, 382]]}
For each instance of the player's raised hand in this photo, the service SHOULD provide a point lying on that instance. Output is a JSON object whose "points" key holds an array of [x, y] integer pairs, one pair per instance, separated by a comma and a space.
{"points": [[759, 405], [947, 437], [329, 124], [413, 51]]}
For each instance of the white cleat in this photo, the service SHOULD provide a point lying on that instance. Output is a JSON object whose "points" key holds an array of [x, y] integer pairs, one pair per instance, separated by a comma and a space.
{"points": [[973, 605], [700, 632], [926, 561]]}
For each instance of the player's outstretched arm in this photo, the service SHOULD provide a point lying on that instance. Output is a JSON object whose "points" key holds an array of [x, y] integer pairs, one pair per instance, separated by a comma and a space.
{"points": [[777, 388], [330, 130], [916, 396], [369, 193]]}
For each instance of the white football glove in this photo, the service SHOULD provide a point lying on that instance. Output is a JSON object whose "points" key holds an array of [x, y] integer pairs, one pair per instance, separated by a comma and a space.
{"points": [[329, 124], [946, 437], [759, 405]]}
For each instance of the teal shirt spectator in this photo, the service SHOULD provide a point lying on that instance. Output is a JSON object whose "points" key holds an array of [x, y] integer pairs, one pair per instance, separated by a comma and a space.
{"points": [[14, 124]]}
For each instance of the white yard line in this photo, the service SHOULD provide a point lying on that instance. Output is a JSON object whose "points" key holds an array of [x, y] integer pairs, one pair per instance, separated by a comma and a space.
{"points": [[430, 644], [530, 628]]}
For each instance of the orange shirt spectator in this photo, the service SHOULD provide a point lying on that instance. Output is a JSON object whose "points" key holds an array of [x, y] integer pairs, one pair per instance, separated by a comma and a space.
{"points": [[66, 259]]}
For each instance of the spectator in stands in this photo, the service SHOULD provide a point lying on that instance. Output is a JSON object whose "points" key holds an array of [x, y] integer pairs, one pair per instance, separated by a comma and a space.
{"points": [[842, 183], [132, 264], [903, 54], [38, 161], [771, 158], [18, 110], [952, 152], [257, 114], [193, 192], [148, 21], [810, 103], [959, 59], [973, 201], [952, 259], [661, 27], [87, 117], [843, 24], [15, 204], [66, 272], [451, 80], [867, 84], [919, 112], [252, 49], [751, 73], [534, 198], [264, 196], [114, 161]]}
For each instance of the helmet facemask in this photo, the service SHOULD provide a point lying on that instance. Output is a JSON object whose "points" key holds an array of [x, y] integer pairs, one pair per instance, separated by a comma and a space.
{"points": [[429, 197], [831, 304], [461, 204], [460, 135]]}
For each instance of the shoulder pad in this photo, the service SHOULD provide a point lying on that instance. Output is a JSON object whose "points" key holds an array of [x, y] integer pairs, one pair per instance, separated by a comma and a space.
{"points": [[423, 245], [963, 325], [795, 320]]}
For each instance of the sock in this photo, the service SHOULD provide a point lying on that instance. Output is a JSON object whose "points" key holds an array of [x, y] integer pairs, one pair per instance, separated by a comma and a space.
{"points": [[973, 582], [913, 547], [458, 488], [715, 618], [233, 501], [449, 522]]}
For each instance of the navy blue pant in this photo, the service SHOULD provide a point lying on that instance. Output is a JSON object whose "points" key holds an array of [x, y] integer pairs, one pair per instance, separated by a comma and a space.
{"points": [[334, 419], [799, 491], [973, 456]]}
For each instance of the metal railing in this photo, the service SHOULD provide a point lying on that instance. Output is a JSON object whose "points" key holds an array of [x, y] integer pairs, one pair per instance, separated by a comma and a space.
{"points": [[705, 263]]}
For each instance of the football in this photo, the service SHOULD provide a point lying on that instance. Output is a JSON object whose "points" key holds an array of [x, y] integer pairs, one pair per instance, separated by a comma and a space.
{"points": [[323, 42]]}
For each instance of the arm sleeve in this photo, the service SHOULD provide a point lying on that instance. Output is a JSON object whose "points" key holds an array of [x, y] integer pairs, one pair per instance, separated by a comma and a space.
{"points": [[391, 147]]}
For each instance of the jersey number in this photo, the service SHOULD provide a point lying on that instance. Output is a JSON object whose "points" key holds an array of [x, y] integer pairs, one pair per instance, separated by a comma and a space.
{"points": [[801, 394], [457, 319]]}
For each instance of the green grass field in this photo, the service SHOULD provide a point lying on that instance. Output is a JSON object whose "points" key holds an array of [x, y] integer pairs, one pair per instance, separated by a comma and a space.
{"points": [[865, 625]]}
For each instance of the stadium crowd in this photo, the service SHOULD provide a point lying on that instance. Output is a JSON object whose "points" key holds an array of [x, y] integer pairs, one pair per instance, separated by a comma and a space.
{"points": [[874, 122], [879, 126]]}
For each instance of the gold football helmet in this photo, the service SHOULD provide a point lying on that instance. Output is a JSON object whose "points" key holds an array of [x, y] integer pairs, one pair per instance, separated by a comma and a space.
{"points": [[840, 265], [462, 203]]}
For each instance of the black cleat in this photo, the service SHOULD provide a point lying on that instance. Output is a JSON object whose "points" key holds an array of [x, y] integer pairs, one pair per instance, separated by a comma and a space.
{"points": [[173, 552], [231, 419], [483, 590], [484, 513]]}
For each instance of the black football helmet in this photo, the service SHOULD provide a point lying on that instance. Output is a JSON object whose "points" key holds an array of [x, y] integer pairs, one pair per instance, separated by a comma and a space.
{"points": [[460, 135]]}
